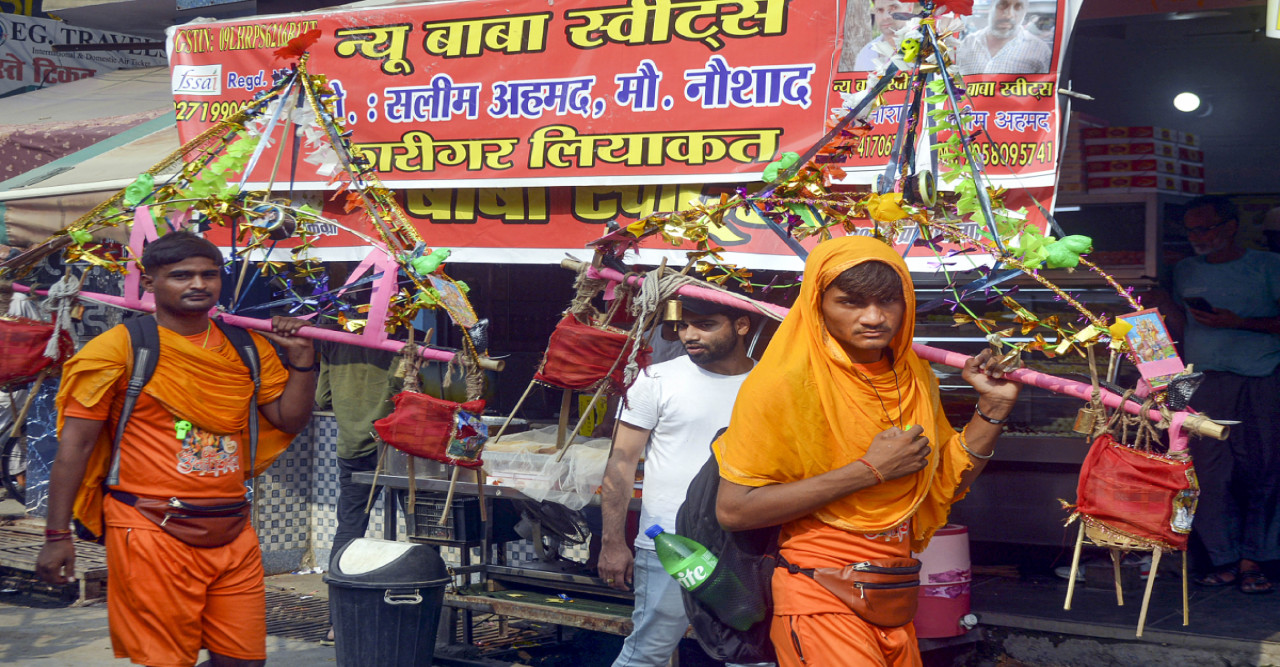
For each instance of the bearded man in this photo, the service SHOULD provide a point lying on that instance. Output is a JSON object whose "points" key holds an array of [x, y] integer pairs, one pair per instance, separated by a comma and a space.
{"points": [[670, 415]]}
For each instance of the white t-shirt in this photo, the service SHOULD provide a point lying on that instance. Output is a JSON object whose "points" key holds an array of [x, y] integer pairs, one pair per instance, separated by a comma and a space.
{"points": [[682, 406]]}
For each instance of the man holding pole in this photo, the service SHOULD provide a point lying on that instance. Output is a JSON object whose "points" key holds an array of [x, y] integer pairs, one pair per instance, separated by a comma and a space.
{"points": [[670, 415], [839, 437], [184, 566]]}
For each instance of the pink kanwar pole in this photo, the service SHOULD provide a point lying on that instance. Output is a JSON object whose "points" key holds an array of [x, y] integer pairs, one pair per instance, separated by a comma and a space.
{"points": [[1184, 420], [698, 291], [314, 333]]}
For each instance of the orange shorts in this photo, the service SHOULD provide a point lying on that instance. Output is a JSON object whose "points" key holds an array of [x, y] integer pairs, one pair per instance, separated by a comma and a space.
{"points": [[166, 600], [836, 640]]}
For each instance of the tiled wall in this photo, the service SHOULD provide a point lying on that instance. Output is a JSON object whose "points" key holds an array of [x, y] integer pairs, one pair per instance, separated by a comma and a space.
{"points": [[298, 512]]}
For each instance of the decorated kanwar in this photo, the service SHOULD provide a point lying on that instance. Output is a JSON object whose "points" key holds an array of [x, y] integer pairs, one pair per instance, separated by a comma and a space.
{"points": [[632, 333]]}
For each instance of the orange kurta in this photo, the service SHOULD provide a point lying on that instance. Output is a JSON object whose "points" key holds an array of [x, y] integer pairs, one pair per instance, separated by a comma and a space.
{"points": [[208, 387], [166, 599], [807, 409]]}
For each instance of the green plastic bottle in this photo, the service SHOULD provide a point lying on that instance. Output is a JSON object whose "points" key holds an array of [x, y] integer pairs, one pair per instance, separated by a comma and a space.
{"points": [[695, 568], [689, 562]]}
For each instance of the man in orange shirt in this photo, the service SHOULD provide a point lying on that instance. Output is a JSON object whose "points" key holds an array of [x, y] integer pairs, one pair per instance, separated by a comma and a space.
{"points": [[839, 436], [185, 444]]}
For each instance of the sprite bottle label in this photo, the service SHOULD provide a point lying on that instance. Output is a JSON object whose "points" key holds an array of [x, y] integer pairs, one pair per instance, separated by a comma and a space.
{"points": [[693, 571]]}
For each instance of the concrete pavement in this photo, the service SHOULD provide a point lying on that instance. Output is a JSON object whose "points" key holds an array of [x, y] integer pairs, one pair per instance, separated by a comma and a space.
{"points": [[35, 634], [38, 630], [31, 635]]}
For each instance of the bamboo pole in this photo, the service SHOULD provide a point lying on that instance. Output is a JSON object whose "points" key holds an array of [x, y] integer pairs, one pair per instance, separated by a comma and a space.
{"points": [[1075, 567], [1151, 580]]}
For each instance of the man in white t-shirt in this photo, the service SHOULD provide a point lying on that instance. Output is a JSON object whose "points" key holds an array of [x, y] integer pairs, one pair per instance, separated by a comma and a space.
{"points": [[670, 415]]}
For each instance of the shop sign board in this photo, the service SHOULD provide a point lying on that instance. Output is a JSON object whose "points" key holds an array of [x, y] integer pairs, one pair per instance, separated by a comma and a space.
{"points": [[531, 94], [28, 61], [571, 110]]}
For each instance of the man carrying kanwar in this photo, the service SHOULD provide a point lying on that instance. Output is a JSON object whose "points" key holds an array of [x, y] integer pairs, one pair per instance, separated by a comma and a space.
{"points": [[184, 570], [839, 437]]}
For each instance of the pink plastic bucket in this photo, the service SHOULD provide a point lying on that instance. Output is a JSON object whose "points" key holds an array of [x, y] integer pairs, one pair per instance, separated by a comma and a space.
{"points": [[944, 584]]}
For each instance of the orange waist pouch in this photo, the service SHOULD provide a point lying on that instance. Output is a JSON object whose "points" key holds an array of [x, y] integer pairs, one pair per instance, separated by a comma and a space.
{"points": [[883, 591]]}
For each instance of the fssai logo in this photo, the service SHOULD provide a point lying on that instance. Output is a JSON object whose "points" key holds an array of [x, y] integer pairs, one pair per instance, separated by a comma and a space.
{"points": [[197, 79]]}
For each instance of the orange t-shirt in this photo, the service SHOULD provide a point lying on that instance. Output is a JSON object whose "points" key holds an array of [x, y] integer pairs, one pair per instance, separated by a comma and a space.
{"points": [[154, 462]]}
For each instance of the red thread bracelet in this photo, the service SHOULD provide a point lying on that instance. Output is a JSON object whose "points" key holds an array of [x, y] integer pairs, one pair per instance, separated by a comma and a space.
{"points": [[879, 477]]}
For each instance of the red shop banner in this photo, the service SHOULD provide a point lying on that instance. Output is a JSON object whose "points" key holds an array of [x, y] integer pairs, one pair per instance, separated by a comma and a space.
{"points": [[533, 94], [1008, 54], [540, 225]]}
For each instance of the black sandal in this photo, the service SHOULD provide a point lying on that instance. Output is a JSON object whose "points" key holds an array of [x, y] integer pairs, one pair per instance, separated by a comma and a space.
{"points": [[1218, 578], [1254, 582]]}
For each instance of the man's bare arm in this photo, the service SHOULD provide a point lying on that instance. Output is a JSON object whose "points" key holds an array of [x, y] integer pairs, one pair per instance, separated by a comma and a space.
{"points": [[615, 493], [1221, 318], [291, 412], [996, 397], [893, 453], [57, 560]]}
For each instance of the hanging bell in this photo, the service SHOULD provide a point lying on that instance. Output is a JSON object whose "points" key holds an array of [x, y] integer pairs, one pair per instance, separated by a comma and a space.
{"points": [[672, 310], [1087, 419]]}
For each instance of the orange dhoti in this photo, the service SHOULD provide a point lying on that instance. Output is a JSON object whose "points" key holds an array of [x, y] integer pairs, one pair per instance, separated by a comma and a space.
{"points": [[811, 626], [166, 600], [840, 640]]}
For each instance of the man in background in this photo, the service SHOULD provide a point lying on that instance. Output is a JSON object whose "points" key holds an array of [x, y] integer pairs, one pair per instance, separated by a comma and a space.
{"points": [[670, 415], [1004, 46], [357, 384], [1227, 315]]}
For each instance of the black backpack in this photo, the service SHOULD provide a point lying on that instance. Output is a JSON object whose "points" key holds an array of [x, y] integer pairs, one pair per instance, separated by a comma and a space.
{"points": [[144, 338], [750, 554]]}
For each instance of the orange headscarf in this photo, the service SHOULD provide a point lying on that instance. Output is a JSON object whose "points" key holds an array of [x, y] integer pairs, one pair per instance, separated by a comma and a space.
{"points": [[807, 409]]}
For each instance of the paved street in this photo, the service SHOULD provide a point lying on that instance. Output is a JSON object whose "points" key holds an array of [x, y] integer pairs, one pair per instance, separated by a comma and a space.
{"points": [[37, 630]]}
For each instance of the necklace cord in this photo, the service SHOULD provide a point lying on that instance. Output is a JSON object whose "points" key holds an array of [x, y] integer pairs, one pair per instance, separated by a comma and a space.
{"points": [[883, 408]]}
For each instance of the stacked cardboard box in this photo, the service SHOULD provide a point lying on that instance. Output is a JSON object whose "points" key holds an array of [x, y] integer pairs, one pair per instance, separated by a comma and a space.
{"points": [[1142, 158], [1072, 176]]}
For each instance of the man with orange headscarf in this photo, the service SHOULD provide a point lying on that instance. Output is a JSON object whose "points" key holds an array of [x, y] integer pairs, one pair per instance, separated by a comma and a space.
{"points": [[839, 437], [184, 446]]}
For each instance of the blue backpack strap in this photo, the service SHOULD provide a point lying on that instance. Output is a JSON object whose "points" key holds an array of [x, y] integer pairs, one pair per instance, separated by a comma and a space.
{"points": [[144, 336], [248, 351]]}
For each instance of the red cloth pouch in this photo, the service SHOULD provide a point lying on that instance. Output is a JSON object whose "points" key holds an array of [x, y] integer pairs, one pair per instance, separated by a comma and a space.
{"points": [[22, 345], [1138, 494], [580, 355], [428, 427]]}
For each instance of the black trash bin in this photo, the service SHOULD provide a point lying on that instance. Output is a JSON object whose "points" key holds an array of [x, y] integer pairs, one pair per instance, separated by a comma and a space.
{"points": [[385, 600]]}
